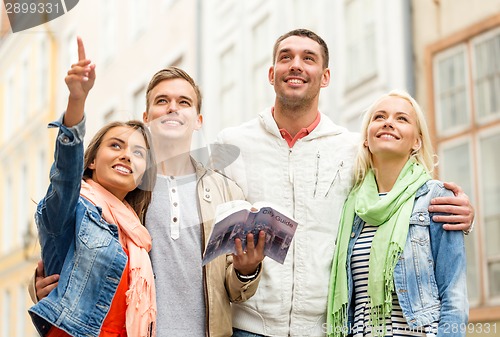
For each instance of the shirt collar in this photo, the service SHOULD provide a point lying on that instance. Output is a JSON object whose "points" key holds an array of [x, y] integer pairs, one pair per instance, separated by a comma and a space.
{"points": [[301, 134]]}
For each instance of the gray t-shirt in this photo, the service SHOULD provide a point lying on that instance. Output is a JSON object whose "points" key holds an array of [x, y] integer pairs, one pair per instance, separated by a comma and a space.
{"points": [[174, 224]]}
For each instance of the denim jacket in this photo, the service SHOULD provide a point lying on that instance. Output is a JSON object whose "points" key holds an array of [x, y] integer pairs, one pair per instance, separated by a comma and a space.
{"points": [[76, 243], [429, 278]]}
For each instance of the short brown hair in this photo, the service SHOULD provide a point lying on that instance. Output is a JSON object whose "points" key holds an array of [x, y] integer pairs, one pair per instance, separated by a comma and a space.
{"points": [[304, 33], [140, 197], [171, 73]]}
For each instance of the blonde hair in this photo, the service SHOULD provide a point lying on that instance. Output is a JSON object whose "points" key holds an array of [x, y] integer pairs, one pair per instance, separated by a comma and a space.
{"points": [[423, 155]]}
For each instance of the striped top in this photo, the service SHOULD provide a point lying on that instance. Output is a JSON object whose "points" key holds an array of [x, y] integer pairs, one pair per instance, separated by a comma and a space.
{"points": [[395, 325]]}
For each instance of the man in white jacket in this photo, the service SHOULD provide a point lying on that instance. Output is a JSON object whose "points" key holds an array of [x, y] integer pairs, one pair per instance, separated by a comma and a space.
{"points": [[293, 155]]}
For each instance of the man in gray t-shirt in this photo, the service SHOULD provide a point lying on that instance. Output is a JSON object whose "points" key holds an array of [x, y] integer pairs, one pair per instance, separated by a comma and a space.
{"points": [[177, 216]]}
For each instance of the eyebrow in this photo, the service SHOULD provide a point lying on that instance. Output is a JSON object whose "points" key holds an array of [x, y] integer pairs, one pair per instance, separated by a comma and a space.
{"points": [[140, 147], [397, 112], [168, 96], [116, 139], [123, 142], [306, 51]]}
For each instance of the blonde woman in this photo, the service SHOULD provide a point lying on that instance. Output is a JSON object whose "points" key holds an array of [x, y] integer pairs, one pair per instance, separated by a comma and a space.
{"points": [[396, 272]]}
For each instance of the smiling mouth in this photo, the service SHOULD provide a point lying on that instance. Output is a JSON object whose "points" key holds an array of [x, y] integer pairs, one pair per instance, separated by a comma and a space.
{"points": [[295, 81], [387, 136], [122, 169], [172, 122]]}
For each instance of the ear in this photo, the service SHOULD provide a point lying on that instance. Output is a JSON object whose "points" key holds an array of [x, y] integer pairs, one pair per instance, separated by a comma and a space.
{"points": [[270, 75], [418, 145], [145, 117], [325, 78], [92, 165], [199, 122], [365, 143]]}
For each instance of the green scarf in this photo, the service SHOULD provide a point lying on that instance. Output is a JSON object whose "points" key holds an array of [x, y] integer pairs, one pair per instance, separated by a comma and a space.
{"points": [[392, 213]]}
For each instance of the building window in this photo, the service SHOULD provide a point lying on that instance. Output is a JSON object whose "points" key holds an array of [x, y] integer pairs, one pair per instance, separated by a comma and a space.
{"points": [[262, 60], [108, 32], [452, 107], [7, 229], [489, 181], [487, 76], [22, 204], [41, 176], [72, 51], [138, 17], [360, 41], [43, 68], [466, 86], [24, 97], [21, 311], [228, 92], [6, 313], [139, 102], [9, 112]]}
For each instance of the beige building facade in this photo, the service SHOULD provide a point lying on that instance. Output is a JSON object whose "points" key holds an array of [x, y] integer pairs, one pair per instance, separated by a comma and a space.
{"points": [[457, 66], [28, 62]]}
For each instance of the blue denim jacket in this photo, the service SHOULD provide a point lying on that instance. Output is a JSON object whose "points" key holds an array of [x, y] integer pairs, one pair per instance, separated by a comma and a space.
{"points": [[78, 244], [429, 278]]}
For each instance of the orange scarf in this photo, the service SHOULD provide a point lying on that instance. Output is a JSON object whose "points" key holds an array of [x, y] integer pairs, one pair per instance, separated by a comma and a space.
{"points": [[141, 295]]}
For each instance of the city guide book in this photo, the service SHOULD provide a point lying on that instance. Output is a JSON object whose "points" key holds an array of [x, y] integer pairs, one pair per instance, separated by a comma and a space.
{"points": [[235, 219]]}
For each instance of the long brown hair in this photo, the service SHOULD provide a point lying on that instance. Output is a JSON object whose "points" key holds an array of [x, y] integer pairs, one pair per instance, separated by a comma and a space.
{"points": [[140, 197]]}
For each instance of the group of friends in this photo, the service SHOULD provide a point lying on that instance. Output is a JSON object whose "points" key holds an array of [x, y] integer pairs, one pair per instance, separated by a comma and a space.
{"points": [[379, 249]]}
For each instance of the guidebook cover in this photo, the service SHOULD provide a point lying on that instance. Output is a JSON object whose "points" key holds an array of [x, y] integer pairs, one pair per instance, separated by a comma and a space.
{"points": [[235, 219]]}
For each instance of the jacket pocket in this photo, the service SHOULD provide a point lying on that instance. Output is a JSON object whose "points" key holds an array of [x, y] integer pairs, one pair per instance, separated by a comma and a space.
{"points": [[419, 228], [422, 288], [93, 231]]}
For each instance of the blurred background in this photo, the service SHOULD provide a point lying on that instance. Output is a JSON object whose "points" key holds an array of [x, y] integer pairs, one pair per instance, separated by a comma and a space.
{"points": [[446, 53]]}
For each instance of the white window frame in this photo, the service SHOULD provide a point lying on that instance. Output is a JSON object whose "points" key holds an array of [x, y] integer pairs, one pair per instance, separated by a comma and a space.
{"points": [[474, 42], [480, 136], [9, 105], [21, 311], [442, 131], [228, 84], [476, 132], [8, 216], [43, 68], [364, 41], [22, 203], [261, 60], [109, 24]]}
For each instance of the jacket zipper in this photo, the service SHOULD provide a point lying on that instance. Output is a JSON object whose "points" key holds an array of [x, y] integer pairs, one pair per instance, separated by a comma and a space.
{"points": [[337, 175], [204, 269]]}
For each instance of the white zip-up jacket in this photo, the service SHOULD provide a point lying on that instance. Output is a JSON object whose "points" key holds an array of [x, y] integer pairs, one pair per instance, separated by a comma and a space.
{"points": [[311, 180]]}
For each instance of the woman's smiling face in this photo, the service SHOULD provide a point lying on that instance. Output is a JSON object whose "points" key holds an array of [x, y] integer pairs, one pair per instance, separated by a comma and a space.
{"points": [[120, 161], [393, 130]]}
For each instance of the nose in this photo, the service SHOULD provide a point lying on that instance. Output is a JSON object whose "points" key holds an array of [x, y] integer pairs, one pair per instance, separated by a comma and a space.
{"points": [[388, 124], [172, 107], [125, 155], [296, 64]]}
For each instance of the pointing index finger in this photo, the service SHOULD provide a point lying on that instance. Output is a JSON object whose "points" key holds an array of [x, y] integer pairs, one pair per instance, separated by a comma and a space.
{"points": [[81, 49]]}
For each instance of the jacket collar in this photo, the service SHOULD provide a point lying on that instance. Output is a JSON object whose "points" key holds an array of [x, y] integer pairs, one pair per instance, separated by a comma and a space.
{"points": [[199, 168], [422, 190]]}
